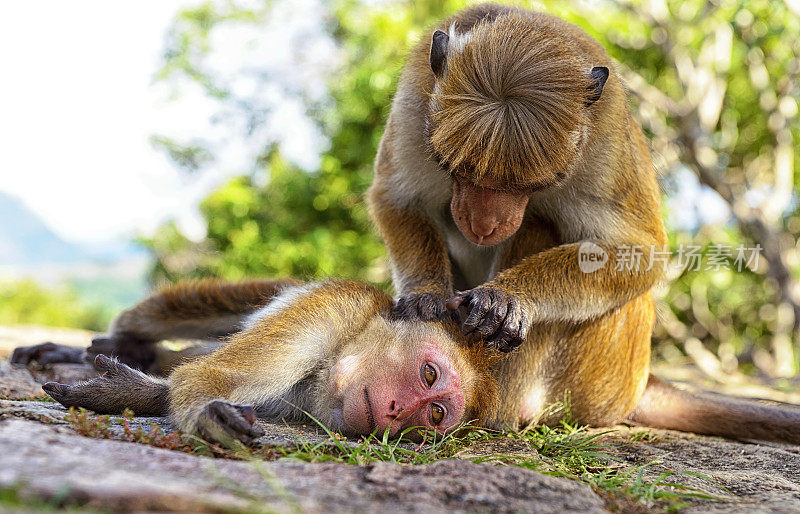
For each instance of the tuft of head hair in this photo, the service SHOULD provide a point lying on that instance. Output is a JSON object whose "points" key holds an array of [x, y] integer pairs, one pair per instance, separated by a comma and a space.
{"points": [[479, 381], [511, 103]]}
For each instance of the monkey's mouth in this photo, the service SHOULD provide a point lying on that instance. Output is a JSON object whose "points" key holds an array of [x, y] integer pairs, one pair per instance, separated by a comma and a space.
{"points": [[368, 408]]}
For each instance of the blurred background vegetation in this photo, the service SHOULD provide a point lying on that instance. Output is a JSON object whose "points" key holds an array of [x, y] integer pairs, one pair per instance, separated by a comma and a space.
{"points": [[713, 83]]}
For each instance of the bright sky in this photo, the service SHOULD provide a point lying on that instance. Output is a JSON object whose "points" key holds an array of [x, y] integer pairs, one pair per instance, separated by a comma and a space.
{"points": [[77, 110], [78, 105]]}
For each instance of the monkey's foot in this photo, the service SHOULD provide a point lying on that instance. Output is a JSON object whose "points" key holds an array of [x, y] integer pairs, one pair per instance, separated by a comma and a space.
{"points": [[495, 317], [47, 353], [425, 306], [224, 423]]}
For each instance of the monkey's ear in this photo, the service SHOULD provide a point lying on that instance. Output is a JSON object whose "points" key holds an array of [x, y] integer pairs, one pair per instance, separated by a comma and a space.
{"points": [[598, 77], [439, 52]]}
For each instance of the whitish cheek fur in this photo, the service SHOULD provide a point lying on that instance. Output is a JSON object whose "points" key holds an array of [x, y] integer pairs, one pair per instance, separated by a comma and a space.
{"points": [[343, 373]]}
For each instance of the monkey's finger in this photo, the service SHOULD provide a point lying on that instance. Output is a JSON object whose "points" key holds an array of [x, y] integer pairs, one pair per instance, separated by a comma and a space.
{"points": [[402, 308], [509, 337], [249, 414], [57, 391], [429, 307], [423, 306], [102, 344], [233, 419], [418, 306], [212, 431], [493, 321], [103, 363], [455, 301], [480, 303], [115, 370]]}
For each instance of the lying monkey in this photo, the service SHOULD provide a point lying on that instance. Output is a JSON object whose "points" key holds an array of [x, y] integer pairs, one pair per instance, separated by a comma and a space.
{"points": [[332, 349]]}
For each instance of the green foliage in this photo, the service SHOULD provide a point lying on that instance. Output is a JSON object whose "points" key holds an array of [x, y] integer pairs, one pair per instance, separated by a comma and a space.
{"points": [[26, 302], [301, 224], [286, 221]]}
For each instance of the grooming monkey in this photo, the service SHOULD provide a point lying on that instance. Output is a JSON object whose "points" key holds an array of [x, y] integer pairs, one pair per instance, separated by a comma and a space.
{"points": [[334, 350], [506, 123]]}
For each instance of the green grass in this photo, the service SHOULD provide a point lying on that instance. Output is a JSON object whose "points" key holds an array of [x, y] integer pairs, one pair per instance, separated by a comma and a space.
{"points": [[13, 500], [570, 451], [567, 451]]}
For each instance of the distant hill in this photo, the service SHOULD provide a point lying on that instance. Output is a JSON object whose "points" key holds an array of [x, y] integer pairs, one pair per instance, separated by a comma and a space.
{"points": [[26, 241], [112, 274]]}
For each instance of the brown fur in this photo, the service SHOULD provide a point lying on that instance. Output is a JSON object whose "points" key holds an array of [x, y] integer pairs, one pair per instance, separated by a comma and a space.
{"points": [[397, 227], [510, 113], [515, 93], [503, 122], [662, 405], [280, 363], [207, 309]]}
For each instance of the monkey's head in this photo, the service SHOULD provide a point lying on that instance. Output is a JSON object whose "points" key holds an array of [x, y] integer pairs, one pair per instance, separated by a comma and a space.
{"points": [[509, 115], [399, 374]]}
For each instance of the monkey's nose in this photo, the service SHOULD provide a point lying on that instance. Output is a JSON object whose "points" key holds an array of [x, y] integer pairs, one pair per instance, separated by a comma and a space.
{"points": [[482, 227]]}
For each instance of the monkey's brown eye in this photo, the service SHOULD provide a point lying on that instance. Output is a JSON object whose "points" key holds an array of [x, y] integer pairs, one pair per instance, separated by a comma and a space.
{"points": [[437, 413], [429, 374]]}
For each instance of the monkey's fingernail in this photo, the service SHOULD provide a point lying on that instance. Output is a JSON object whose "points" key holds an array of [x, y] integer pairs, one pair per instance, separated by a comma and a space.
{"points": [[453, 303], [248, 413]]}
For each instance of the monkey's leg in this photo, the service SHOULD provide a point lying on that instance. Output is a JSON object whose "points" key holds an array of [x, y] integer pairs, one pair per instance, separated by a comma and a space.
{"points": [[420, 265], [121, 387], [205, 309]]}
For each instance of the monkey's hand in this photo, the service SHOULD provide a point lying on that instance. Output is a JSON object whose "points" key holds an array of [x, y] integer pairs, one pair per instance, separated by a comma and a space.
{"points": [[117, 388], [224, 423], [423, 304], [46, 353], [496, 317]]}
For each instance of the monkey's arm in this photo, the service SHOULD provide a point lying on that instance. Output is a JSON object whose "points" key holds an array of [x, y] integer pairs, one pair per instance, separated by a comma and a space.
{"points": [[420, 264], [262, 363], [550, 286]]}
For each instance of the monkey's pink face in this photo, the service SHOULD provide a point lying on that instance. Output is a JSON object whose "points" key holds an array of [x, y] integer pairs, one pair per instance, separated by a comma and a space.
{"points": [[422, 389]]}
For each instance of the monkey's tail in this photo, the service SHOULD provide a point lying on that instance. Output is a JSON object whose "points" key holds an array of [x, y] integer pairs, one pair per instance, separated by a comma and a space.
{"points": [[665, 406], [118, 388]]}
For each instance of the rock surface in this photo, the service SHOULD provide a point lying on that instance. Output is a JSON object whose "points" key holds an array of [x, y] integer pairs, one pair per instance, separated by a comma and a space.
{"points": [[50, 462], [43, 458], [758, 476], [18, 383]]}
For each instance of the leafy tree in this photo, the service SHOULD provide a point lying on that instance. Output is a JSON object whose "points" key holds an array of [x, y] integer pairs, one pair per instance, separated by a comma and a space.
{"points": [[26, 302], [714, 84]]}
